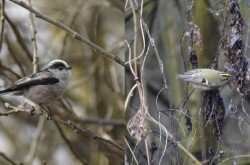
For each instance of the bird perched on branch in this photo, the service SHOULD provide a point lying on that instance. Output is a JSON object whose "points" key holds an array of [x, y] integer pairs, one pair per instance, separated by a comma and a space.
{"points": [[44, 87], [205, 79]]}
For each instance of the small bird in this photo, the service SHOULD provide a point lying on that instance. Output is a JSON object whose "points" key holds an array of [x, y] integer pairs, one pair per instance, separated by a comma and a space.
{"points": [[44, 87], [205, 79]]}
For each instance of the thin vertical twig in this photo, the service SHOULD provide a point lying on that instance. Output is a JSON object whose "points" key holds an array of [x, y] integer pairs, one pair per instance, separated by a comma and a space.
{"points": [[69, 23], [2, 23], [41, 122], [18, 36], [13, 54], [33, 40], [36, 139]]}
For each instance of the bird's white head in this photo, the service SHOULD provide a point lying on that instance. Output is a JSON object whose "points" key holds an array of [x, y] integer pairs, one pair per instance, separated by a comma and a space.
{"points": [[61, 69]]}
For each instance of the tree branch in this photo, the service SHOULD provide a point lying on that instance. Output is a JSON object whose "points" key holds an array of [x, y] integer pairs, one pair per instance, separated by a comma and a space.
{"points": [[75, 126], [74, 33], [18, 36], [2, 23], [7, 158], [101, 121], [64, 137], [84, 132]]}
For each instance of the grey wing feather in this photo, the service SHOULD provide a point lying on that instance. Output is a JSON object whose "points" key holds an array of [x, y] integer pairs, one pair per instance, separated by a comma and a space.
{"points": [[182, 76], [190, 77]]}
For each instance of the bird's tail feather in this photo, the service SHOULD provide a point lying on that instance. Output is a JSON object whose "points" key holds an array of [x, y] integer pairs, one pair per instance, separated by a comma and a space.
{"points": [[3, 92], [6, 91]]}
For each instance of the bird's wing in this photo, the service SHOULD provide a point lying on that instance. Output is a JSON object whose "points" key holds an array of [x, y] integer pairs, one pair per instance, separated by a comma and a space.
{"points": [[41, 78]]}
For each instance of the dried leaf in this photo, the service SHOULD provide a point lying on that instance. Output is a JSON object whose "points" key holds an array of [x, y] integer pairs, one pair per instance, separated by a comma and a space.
{"points": [[137, 126], [194, 34]]}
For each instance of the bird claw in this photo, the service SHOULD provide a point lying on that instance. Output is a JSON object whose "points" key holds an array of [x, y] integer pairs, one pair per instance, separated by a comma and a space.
{"points": [[48, 116], [33, 111], [22, 106]]}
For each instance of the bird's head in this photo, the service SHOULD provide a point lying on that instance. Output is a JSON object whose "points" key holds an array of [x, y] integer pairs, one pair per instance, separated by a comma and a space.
{"points": [[60, 68]]}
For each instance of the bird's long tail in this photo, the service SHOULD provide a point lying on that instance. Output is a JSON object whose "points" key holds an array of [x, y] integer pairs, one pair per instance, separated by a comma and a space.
{"points": [[3, 91], [7, 90]]}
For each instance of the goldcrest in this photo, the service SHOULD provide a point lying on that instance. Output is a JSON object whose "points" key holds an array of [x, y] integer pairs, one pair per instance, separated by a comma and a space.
{"points": [[205, 79]]}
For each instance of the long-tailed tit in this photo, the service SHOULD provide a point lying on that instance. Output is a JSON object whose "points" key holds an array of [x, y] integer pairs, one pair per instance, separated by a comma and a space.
{"points": [[44, 87]]}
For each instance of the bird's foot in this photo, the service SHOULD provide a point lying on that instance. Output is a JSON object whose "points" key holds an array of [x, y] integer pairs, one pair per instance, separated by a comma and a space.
{"points": [[32, 111], [46, 112], [48, 116], [22, 107]]}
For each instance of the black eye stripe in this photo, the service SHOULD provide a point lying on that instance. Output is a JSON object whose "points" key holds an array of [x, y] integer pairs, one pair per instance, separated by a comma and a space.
{"points": [[57, 65]]}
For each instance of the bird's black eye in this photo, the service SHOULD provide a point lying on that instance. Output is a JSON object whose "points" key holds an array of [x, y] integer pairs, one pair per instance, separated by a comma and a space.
{"points": [[203, 80], [60, 68]]}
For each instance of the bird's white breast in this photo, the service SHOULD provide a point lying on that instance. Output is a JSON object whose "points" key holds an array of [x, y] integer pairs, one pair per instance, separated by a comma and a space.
{"points": [[42, 94]]}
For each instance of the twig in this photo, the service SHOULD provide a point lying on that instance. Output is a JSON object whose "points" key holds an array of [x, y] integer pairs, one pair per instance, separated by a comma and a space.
{"points": [[9, 112], [41, 122], [69, 23], [36, 139], [9, 70], [33, 40], [14, 109], [85, 132], [69, 30], [179, 145], [74, 126], [69, 144], [18, 36], [92, 120], [13, 54], [7, 158], [100, 121], [234, 157], [131, 151], [2, 23]]}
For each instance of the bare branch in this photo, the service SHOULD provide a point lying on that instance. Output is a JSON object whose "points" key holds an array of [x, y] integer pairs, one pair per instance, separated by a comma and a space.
{"points": [[74, 33], [64, 137], [100, 121], [18, 36], [13, 54], [7, 158], [12, 110], [2, 23], [69, 23], [85, 132], [41, 122], [33, 40], [9, 70], [36, 139], [75, 126]]}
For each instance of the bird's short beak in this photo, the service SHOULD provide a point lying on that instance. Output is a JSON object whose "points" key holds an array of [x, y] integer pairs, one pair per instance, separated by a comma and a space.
{"points": [[69, 68]]}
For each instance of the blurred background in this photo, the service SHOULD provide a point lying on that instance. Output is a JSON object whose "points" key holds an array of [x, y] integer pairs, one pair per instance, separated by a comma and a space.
{"points": [[95, 96], [176, 131]]}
